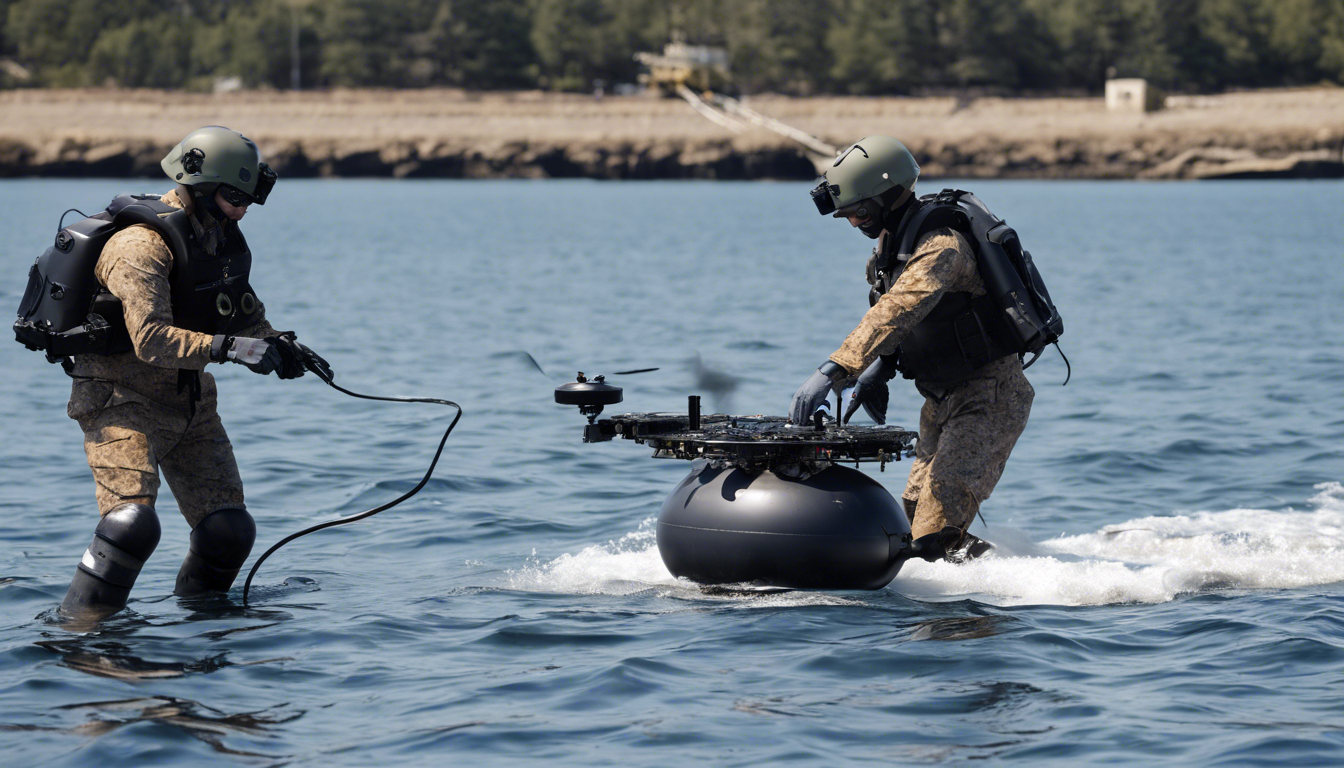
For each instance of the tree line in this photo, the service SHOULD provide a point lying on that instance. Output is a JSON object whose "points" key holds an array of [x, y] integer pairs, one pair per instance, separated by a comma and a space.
{"points": [[788, 46]]}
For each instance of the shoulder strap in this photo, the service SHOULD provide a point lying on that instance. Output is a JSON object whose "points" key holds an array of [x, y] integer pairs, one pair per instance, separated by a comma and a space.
{"points": [[935, 212], [171, 223]]}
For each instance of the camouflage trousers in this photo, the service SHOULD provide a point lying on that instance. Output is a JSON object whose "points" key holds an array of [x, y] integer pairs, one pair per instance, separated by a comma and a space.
{"points": [[129, 438], [965, 435]]}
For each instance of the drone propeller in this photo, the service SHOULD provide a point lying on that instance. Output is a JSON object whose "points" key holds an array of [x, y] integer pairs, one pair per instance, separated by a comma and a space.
{"points": [[532, 361]]}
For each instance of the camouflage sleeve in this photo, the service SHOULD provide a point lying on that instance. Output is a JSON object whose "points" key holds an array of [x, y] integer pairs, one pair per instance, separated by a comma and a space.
{"points": [[134, 266], [943, 261], [260, 329]]}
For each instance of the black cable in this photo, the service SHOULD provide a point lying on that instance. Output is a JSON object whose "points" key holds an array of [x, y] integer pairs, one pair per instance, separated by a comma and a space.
{"points": [[1066, 364], [61, 224], [328, 377]]}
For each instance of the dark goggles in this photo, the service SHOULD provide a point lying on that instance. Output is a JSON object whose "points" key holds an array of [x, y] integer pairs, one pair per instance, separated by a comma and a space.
{"points": [[862, 210], [265, 183], [821, 196]]}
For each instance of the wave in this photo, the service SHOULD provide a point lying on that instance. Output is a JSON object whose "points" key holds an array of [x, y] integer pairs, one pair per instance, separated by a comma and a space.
{"points": [[1144, 560], [631, 565], [1155, 559]]}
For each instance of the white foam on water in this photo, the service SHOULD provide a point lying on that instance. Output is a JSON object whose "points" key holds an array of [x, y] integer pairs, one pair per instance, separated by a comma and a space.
{"points": [[1154, 559], [1145, 560], [631, 564], [620, 567]]}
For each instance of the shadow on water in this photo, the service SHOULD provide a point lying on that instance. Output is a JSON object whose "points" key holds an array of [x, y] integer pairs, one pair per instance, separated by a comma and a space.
{"points": [[208, 607], [963, 628], [112, 649], [108, 657], [202, 722]]}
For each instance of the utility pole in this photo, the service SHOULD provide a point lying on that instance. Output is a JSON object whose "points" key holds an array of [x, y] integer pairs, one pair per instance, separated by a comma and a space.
{"points": [[294, 80]]}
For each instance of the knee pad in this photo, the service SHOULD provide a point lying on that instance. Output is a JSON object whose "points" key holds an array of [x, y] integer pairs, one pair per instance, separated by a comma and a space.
{"points": [[122, 542], [219, 546]]}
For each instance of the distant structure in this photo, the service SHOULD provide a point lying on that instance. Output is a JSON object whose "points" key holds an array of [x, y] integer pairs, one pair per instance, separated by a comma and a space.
{"points": [[228, 84], [699, 74], [1132, 94], [14, 71], [700, 67]]}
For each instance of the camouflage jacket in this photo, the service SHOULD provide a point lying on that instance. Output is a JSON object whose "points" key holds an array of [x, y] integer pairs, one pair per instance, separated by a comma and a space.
{"points": [[943, 263], [135, 266]]}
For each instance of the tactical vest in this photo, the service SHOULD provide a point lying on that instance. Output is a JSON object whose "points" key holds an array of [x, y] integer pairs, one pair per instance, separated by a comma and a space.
{"points": [[964, 333], [65, 310]]}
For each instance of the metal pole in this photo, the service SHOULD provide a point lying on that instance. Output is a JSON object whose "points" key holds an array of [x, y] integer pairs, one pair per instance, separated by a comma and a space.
{"points": [[294, 81]]}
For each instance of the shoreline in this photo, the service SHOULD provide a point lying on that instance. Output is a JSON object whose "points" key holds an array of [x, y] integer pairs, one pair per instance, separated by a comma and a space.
{"points": [[1295, 133]]}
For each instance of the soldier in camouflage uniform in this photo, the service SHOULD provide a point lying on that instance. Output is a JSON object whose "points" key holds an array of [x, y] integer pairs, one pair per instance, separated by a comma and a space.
{"points": [[972, 418], [154, 407]]}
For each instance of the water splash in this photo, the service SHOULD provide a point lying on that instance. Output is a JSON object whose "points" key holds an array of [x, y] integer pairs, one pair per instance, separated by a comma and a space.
{"points": [[1155, 559], [621, 567], [1145, 560], [630, 565]]}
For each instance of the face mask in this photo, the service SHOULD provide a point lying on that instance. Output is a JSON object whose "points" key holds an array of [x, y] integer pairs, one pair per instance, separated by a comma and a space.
{"points": [[869, 212]]}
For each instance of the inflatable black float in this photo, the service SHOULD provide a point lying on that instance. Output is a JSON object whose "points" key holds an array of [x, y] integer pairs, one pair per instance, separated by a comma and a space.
{"points": [[767, 503]]}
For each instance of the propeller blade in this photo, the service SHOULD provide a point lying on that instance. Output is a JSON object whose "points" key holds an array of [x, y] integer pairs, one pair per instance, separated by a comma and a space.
{"points": [[535, 364], [719, 384]]}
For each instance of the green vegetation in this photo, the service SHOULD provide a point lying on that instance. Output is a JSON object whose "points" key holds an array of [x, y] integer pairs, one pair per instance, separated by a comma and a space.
{"points": [[790, 46]]}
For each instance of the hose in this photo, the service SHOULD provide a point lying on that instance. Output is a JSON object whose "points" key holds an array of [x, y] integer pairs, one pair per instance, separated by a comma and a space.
{"points": [[327, 376]]}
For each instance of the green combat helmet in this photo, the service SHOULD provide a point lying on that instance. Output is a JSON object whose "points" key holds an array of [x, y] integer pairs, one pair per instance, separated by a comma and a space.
{"points": [[215, 155], [866, 179]]}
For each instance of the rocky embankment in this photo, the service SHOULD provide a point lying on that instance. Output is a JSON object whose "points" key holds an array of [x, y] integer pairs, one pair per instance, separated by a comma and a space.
{"points": [[445, 134]]}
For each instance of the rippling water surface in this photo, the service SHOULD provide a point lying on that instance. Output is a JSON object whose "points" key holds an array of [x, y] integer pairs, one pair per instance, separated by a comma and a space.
{"points": [[1168, 586]]}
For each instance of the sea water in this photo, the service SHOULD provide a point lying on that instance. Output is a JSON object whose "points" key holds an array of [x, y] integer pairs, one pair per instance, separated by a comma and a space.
{"points": [[1167, 587]]}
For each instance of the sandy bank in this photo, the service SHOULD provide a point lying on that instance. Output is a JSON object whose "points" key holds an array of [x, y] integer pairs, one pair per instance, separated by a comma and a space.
{"points": [[456, 135]]}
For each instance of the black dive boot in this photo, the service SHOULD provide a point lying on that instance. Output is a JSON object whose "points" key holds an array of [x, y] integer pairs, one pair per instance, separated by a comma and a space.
{"points": [[219, 547], [970, 548], [936, 545], [122, 542]]}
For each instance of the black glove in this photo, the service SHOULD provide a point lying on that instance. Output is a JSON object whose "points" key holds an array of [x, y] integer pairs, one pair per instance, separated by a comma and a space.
{"points": [[814, 392], [259, 355], [315, 362], [297, 357], [871, 391], [305, 357], [279, 354]]}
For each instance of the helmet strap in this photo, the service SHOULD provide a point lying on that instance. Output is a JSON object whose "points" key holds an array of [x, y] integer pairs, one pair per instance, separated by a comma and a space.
{"points": [[204, 197], [188, 197], [891, 206]]}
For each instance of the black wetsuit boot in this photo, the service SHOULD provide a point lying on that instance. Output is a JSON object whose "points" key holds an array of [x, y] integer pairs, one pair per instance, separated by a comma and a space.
{"points": [[971, 548], [951, 544], [219, 547], [122, 542]]}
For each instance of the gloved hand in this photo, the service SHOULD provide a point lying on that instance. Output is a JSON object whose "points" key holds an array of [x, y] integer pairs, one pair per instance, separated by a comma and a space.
{"points": [[814, 392], [303, 356], [259, 355], [871, 391]]}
